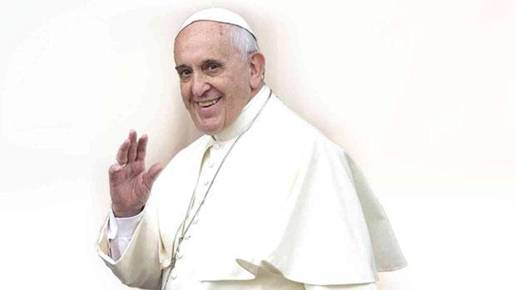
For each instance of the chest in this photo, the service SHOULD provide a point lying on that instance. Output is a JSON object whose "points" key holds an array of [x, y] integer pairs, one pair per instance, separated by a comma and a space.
{"points": [[233, 194]]}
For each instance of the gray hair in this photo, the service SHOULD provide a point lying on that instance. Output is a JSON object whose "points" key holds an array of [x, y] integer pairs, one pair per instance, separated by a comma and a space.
{"points": [[243, 41]]}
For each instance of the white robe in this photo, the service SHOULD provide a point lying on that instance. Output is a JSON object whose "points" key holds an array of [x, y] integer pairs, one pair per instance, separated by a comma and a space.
{"points": [[286, 201]]}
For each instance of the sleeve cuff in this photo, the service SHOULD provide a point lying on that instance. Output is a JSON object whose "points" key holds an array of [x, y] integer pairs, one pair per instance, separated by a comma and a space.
{"points": [[122, 226]]}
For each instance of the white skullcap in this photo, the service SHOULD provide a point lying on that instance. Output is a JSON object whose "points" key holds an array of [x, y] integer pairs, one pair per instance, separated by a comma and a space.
{"points": [[221, 15]]}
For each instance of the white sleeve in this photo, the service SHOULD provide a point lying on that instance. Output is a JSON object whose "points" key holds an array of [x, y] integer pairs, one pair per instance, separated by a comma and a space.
{"points": [[120, 232], [369, 286]]}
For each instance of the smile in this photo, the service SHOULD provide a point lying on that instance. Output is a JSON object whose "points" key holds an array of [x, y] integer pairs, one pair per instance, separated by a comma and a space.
{"points": [[209, 103]]}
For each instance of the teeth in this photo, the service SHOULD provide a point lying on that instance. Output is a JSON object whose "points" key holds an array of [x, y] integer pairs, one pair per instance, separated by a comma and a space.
{"points": [[207, 103]]}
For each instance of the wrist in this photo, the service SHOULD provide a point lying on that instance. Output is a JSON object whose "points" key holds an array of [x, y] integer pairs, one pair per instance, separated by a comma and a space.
{"points": [[125, 212]]}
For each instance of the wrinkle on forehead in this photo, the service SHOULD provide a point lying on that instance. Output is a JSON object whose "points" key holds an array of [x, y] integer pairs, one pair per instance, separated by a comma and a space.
{"points": [[204, 29], [204, 32]]}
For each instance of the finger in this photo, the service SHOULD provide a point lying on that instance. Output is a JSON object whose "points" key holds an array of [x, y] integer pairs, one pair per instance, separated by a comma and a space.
{"points": [[113, 170], [131, 155], [142, 148], [150, 176], [121, 156]]}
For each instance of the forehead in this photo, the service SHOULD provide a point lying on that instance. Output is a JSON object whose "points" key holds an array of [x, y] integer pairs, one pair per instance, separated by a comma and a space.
{"points": [[203, 39]]}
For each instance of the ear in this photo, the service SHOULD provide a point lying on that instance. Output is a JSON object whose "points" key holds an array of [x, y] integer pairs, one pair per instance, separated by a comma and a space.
{"points": [[257, 70]]}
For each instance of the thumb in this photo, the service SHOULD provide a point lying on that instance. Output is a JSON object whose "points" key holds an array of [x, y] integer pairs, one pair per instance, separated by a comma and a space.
{"points": [[150, 176]]}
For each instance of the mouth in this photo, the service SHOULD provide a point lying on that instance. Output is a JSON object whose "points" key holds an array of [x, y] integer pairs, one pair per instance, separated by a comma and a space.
{"points": [[208, 103]]}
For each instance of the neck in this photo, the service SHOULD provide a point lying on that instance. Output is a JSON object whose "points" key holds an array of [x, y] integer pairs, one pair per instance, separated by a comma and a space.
{"points": [[244, 119], [255, 91]]}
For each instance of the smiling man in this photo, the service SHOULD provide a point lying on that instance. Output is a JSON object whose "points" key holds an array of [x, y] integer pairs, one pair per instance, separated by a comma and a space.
{"points": [[262, 201], [217, 79]]}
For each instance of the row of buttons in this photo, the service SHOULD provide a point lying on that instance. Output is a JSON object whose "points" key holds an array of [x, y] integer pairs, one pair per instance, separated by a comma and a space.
{"points": [[211, 163], [179, 256]]}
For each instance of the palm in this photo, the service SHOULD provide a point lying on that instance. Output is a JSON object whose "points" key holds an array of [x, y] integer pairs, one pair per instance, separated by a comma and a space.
{"points": [[130, 183]]}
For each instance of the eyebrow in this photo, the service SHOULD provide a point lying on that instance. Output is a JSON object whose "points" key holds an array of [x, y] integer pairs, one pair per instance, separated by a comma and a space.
{"points": [[204, 62], [210, 60], [181, 67]]}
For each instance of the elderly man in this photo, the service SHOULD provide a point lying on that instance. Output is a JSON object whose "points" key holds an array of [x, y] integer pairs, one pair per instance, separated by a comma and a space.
{"points": [[262, 201]]}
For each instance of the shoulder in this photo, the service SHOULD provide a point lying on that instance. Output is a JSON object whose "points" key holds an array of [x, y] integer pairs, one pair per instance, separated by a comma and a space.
{"points": [[183, 163], [281, 123], [193, 149]]}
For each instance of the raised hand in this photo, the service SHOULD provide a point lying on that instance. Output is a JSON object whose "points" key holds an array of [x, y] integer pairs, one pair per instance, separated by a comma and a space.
{"points": [[130, 184]]}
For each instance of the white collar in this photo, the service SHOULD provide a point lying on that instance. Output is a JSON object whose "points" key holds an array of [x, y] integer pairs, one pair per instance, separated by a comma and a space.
{"points": [[245, 119]]}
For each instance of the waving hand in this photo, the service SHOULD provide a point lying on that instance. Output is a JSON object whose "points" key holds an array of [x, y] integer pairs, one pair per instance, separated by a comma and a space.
{"points": [[130, 184]]}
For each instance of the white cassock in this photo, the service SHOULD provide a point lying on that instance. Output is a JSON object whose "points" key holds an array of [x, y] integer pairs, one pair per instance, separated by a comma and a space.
{"points": [[284, 208]]}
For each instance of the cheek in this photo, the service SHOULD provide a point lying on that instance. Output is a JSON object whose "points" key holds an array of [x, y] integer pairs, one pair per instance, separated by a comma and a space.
{"points": [[184, 93]]}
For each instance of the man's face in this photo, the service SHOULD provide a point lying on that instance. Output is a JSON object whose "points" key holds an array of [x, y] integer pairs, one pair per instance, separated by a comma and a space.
{"points": [[214, 79]]}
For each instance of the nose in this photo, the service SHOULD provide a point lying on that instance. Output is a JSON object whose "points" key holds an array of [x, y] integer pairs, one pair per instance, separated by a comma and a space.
{"points": [[199, 85]]}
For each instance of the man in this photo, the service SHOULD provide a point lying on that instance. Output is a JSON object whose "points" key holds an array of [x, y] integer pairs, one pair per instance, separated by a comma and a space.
{"points": [[262, 201]]}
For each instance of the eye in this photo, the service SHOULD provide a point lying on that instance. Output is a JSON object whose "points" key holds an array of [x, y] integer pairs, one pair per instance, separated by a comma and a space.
{"points": [[211, 67], [184, 74]]}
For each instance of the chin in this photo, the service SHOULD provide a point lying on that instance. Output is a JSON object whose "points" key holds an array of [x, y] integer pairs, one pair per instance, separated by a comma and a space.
{"points": [[209, 129]]}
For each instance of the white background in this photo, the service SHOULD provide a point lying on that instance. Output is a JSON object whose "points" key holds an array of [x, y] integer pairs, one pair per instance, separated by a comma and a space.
{"points": [[421, 93]]}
